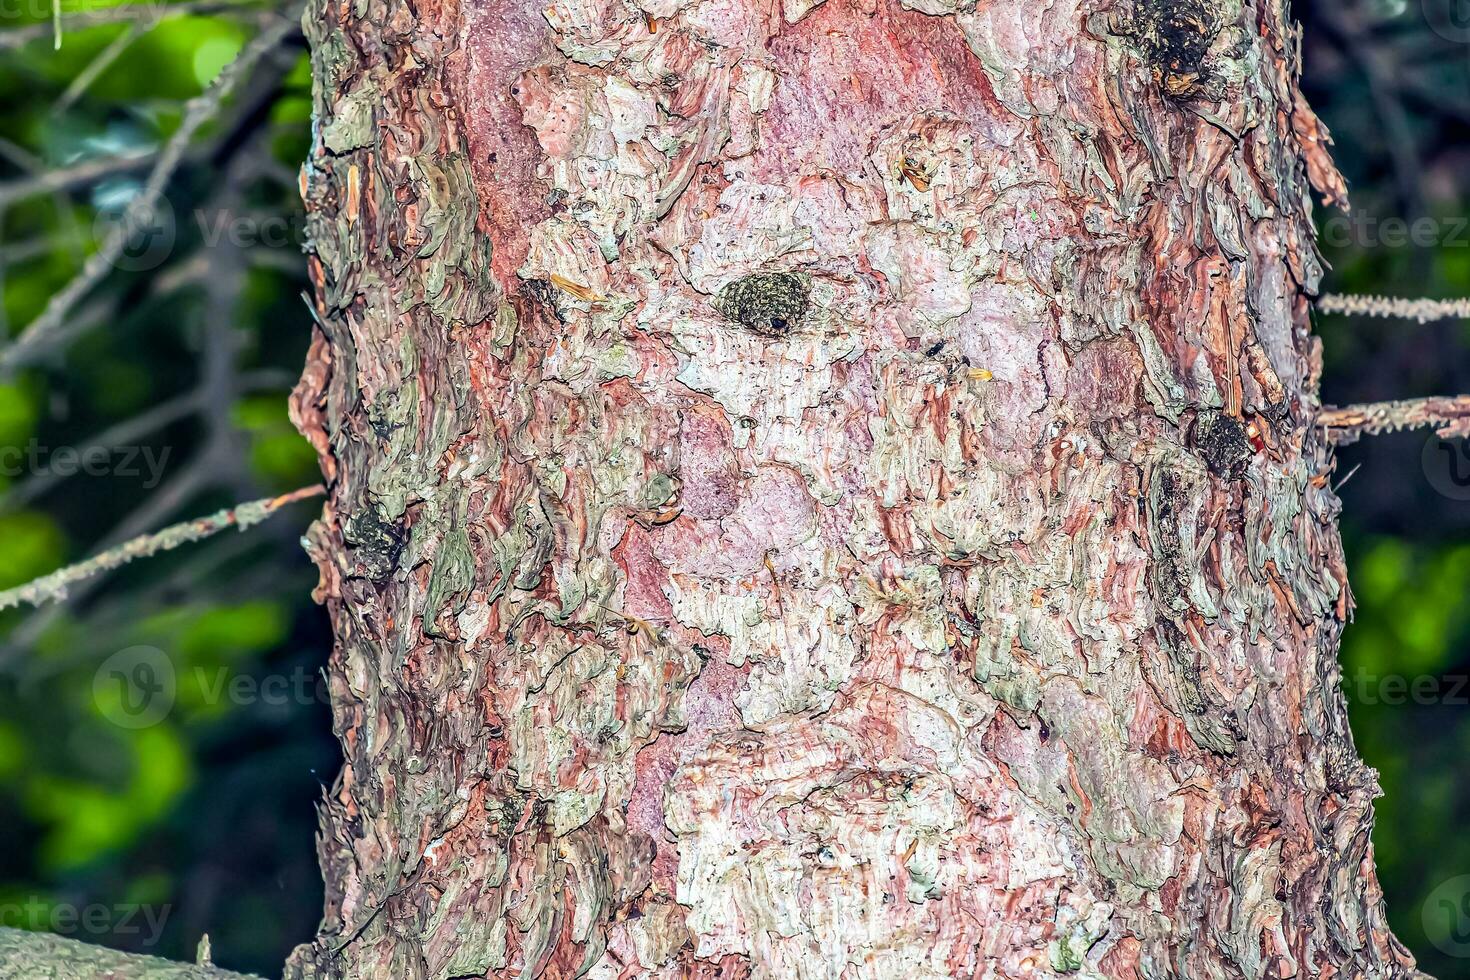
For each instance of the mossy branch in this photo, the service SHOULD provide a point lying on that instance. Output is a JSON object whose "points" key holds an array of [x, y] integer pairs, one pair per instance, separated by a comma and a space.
{"points": [[53, 587], [1448, 416], [1396, 307], [42, 956]]}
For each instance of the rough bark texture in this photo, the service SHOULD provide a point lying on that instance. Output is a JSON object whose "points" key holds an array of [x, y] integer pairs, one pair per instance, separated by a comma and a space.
{"points": [[828, 490]]}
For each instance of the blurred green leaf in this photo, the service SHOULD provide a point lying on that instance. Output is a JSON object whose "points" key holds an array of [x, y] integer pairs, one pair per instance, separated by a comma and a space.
{"points": [[86, 821], [17, 415], [226, 632], [213, 53], [33, 546]]}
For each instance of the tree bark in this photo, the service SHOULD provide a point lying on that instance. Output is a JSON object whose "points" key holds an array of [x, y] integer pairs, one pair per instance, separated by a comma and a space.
{"points": [[828, 490]]}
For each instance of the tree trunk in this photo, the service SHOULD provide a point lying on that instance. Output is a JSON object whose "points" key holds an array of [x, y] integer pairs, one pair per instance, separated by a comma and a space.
{"points": [[828, 490]]}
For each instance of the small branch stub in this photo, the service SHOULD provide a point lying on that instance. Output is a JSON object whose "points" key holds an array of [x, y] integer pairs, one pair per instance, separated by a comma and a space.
{"points": [[1223, 442]]}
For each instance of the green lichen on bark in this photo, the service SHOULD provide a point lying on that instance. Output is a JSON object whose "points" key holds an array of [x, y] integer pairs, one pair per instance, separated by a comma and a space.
{"points": [[770, 303]]}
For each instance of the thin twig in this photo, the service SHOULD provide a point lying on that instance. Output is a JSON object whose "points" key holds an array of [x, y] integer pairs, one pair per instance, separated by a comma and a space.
{"points": [[160, 504], [1350, 474], [97, 66], [1450, 418], [29, 162], [197, 111], [29, 250], [53, 587], [65, 178], [147, 14], [219, 370], [129, 431], [1396, 307], [186, 583]]}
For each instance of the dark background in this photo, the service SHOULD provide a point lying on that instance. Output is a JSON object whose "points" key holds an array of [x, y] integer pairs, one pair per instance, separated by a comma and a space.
{"points": [[204, 816], [1392, 82]]}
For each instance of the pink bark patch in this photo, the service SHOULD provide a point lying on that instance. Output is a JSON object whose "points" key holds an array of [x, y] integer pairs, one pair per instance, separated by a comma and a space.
{"points": [[774, 512], [846, 74], [708, 708], [711, 480], [502, 40], [643, 576]]}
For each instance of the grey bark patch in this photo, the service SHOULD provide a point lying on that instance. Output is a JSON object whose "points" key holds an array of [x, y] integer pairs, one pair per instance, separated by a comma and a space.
{"points": [[1223, 443], [352, 125], [771, 304]]}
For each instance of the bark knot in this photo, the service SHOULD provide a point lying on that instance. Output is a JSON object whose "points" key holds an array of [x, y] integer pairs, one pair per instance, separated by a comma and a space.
{"points": [[771, 304], [1182, 41], [1223, 442]]}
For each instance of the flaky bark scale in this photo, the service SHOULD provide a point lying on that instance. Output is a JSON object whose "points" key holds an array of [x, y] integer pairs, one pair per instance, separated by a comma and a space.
{"points": [[828, 490]]}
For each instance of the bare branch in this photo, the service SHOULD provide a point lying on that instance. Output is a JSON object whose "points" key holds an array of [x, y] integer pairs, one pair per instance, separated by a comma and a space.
{"points": [[97, 66], [146, 14], [54, 587], [163, 414], [1450, 417], [197, 111], [138, 427]]}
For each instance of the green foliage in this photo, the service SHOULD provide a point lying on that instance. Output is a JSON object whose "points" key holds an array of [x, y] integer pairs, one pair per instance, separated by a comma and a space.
{"points": [[1410, 605], [13, 750], [17, 414], [1394, 93], [33, 546], [277, 450], [86, 820], [233, 631], [1412, 627]]}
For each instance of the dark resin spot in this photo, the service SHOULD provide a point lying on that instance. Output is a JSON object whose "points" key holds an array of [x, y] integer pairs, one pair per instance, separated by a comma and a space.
{"points": [[770, 303], [1223, 442]]}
